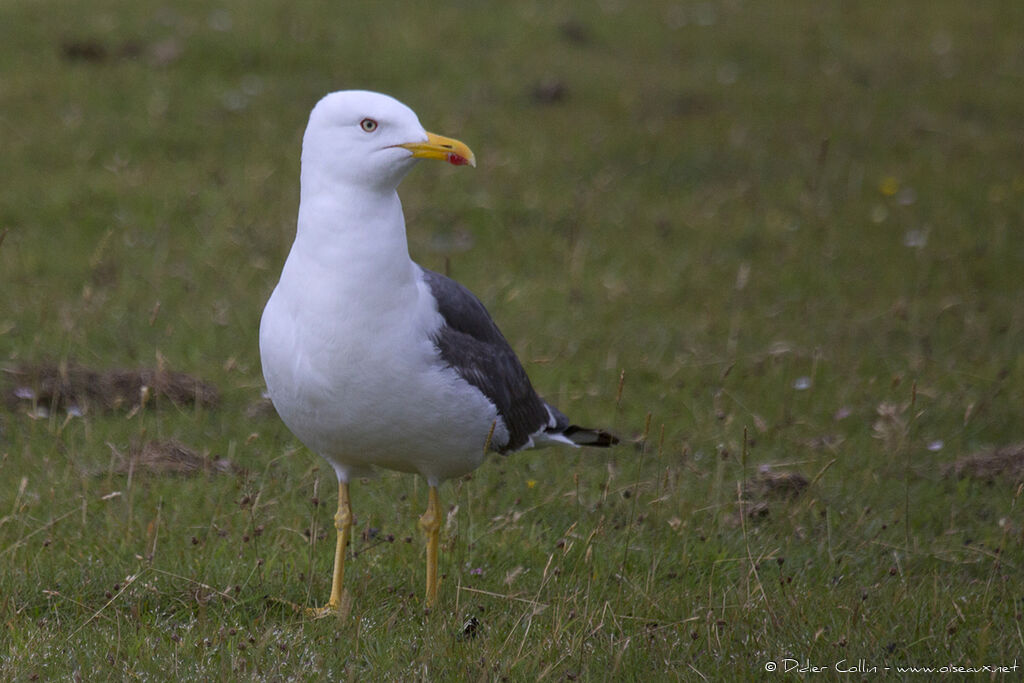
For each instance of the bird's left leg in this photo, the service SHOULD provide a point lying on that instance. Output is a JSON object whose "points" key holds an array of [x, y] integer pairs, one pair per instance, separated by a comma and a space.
{"points": [[430, 523]]}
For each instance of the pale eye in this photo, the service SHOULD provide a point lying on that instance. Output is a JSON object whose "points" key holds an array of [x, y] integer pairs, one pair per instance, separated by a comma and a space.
{"points": [[368, 125]]}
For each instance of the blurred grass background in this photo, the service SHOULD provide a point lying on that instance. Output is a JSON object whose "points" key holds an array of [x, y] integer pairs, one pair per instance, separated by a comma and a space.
{"points": [[801, 222]]}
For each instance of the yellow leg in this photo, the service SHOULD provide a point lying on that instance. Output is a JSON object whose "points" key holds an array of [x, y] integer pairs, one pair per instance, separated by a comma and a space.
{"points": [[343, 525], [430, 522]]}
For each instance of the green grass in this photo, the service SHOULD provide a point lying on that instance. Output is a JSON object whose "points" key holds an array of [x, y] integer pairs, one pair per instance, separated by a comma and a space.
{"points": [[719, 207]]}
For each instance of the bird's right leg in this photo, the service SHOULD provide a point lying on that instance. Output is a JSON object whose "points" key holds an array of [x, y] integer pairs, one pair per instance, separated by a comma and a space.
{"points": [[343, 525]]}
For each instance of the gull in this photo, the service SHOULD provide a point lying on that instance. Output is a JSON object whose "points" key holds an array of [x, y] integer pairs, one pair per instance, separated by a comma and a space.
{"points": [[371, 360]]}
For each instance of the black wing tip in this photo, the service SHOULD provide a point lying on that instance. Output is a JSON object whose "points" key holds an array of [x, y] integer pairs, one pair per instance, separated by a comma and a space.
{"points": [[583, 436]]}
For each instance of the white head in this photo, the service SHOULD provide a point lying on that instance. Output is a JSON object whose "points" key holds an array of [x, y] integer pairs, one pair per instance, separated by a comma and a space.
{"points": [[370, 140]]}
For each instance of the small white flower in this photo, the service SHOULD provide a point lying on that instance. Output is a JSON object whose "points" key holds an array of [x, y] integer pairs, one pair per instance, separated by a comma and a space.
{"points": [[26, 393], [802, 383]]}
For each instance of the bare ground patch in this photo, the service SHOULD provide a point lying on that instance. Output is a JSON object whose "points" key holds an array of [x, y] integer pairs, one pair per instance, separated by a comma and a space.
{"points": [[1002, 462], [73, 387], [768, 488], [169, 457]]}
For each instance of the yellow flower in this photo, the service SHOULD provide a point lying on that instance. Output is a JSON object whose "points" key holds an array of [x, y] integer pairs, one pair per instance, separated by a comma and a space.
{"points": [[889, 186], [530, 483]]}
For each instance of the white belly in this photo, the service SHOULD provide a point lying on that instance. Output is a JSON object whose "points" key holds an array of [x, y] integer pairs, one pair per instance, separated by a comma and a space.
{"points": [[366, 388]]}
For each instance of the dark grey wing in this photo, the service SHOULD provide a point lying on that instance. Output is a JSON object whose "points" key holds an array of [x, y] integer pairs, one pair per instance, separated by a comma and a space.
{"points": [[471, 344]]}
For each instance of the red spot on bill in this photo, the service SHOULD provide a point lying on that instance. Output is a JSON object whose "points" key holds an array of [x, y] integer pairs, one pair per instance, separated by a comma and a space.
{"points": [[457, 159]]}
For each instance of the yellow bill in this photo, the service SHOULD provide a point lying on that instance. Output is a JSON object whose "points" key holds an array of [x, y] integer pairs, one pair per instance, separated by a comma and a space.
{"points": [[443, 149]]}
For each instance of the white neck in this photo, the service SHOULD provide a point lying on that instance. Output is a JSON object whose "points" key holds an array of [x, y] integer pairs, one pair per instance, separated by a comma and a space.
{"points": [[336, 253]]}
